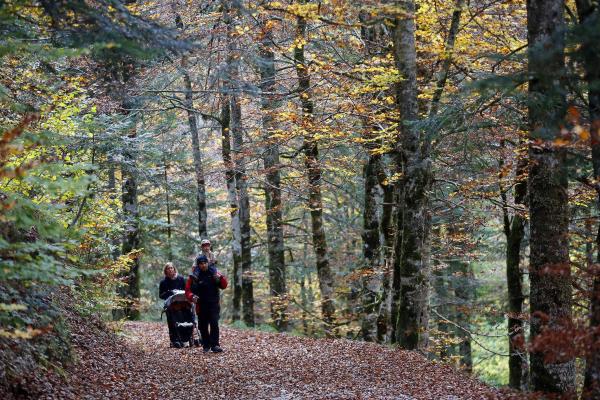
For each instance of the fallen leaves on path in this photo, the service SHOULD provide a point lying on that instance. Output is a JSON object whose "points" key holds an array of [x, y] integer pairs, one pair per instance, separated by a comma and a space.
{"points": [[255, 365]]}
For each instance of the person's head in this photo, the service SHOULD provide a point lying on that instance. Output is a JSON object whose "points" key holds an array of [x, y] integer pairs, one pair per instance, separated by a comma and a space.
{"points": [[170, 271], [202, 262], [205, 245]]}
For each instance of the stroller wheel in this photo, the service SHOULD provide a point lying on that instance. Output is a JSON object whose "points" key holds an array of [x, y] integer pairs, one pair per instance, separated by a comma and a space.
{"points": [[191, 343]]}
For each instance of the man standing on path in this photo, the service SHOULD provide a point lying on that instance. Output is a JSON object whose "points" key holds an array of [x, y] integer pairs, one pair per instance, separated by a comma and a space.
{"points": [[202, 288]]}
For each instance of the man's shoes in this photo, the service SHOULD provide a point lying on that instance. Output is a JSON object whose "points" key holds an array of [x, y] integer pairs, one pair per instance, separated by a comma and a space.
{"points": [[178, 345], [216, 349], [206, 349], [197, 342]]}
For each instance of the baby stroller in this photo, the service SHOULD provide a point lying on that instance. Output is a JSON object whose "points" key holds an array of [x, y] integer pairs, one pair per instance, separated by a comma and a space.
{"points": [[180, 316]]}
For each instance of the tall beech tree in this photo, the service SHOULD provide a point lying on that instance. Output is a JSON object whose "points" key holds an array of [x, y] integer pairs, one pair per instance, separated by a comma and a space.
{"points": [[188, 104], [589, 21], [232, 83], [549, 264], [412, 247], [310, 148], [272, 185]]}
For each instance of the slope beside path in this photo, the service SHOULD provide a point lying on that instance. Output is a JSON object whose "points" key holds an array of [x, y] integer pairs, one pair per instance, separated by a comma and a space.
{"points": [[255, 365]]}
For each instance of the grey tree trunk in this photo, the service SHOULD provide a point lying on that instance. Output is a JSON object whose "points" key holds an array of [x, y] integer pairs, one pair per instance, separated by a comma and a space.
{"points": [[549, 266], [198, 170], [313, 167], [273, 205], [589, 17], [373, 299], [388, 233], [232, 80], [370, 284], [168, 205], [194, 133], [236, 234], [447, 61], [410, 303]]}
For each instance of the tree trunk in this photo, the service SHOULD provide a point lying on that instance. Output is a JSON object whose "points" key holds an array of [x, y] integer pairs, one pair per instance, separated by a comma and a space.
{"points": [[464, 292], [447, 60], [411, 262], [589, 16], [441, 287], [370, 283], [197, 154], [199, 171], [388, 234], [311, 162], [129, 290], [552, 370], [273, 206], [168, 205], [236, 234], [514, 230], [232, 83]]}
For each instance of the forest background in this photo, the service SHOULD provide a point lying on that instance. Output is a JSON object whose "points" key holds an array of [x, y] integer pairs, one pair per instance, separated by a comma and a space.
{"points": [[377, 170]]}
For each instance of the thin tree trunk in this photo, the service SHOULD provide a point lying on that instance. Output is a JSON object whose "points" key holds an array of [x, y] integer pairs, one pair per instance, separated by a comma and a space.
{"points": [[388, 234], [236, 234], [311, 161], [129, 290], [549, 267], [371, 285], [168, 205], [372, 323], [198, 170], [589, 16], [194, 133], [232, 82], [441, 287], [273, 205], [411, 262], [464, 292], [514, 230], [447, 60]]}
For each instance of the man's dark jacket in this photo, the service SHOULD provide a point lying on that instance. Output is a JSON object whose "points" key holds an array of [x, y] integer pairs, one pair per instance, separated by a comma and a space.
{"points": [[167, 285], [205, 285]]}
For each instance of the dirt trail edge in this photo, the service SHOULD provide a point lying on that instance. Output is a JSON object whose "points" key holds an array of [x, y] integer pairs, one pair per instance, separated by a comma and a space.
{"points": [[255, 365]]}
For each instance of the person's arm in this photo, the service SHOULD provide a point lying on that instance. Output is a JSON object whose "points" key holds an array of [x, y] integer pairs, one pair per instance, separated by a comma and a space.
{"points": [[188, 291], [163, 293], [221, 280]]}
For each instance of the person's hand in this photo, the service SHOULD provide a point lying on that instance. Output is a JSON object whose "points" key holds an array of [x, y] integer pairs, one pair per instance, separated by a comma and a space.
{"points": [[194, 299], [217, 277]]}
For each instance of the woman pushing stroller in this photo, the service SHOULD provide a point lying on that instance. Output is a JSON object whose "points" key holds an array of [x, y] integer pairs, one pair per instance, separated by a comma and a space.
{"points": [[180, 318]]}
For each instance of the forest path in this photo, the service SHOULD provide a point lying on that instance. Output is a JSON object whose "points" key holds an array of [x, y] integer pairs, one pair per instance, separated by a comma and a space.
{"points": [[257, 365]]}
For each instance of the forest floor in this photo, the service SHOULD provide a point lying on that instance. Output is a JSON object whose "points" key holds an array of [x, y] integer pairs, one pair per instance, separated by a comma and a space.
{"points": [[138, 364]]}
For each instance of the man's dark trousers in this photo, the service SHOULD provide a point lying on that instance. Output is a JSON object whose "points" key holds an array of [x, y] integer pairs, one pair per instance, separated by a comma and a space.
{"points": [[208, 317]]}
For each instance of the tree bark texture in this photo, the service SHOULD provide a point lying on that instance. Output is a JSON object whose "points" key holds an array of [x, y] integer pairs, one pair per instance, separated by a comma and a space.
{"points": [[411, 248], [313, 167], [514, 230], [232, 80], [236, 234], [198, 170], [273, 205], [549, 267], [589, 19]]}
